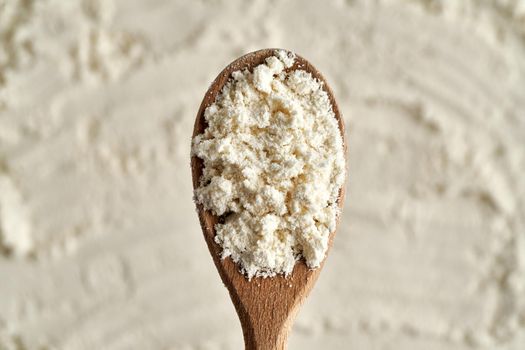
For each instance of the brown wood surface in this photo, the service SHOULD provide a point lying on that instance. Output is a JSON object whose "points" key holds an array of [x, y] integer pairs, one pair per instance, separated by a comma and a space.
{"points": [[266, 306]]}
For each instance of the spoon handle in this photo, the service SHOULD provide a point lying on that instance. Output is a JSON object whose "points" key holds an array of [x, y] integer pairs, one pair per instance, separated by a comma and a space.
{"points": [[267, 306], [265, 338], [266, 322]]}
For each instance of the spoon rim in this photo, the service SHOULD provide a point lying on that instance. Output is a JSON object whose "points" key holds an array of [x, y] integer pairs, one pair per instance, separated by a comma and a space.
{"points": [[207, 218]]}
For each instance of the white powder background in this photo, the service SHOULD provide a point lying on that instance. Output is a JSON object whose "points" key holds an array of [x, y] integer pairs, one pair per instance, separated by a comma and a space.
{"points": [[101, 248]]}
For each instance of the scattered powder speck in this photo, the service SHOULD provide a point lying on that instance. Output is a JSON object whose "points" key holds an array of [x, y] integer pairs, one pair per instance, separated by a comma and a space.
{"points": [[273, 166], [15, 229]]}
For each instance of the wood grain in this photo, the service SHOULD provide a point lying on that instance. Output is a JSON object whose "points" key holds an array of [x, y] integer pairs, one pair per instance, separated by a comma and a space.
{"points": [[266, 306]]}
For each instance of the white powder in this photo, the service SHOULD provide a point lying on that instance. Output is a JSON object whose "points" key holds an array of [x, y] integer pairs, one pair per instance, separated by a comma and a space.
{"points": [[430, 251], [273, 165]]}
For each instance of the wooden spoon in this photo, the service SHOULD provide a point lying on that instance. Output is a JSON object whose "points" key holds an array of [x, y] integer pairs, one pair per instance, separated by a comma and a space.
{"points": [[266, 306]]}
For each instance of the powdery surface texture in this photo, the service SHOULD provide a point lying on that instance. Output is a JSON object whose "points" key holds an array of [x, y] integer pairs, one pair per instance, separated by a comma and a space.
{"points": [[273, 165], [100, 244]]}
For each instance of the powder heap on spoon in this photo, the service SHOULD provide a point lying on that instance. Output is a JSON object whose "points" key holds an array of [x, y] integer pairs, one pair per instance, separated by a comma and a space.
{"points": [[273, 167]]}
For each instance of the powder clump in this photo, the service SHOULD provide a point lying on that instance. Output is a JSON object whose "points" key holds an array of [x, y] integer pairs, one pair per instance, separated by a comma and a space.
{"points": [[273, 166]]}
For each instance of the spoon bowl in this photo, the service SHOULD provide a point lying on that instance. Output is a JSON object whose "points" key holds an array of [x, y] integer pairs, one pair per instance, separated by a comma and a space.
{"points": [[266, 306]]}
